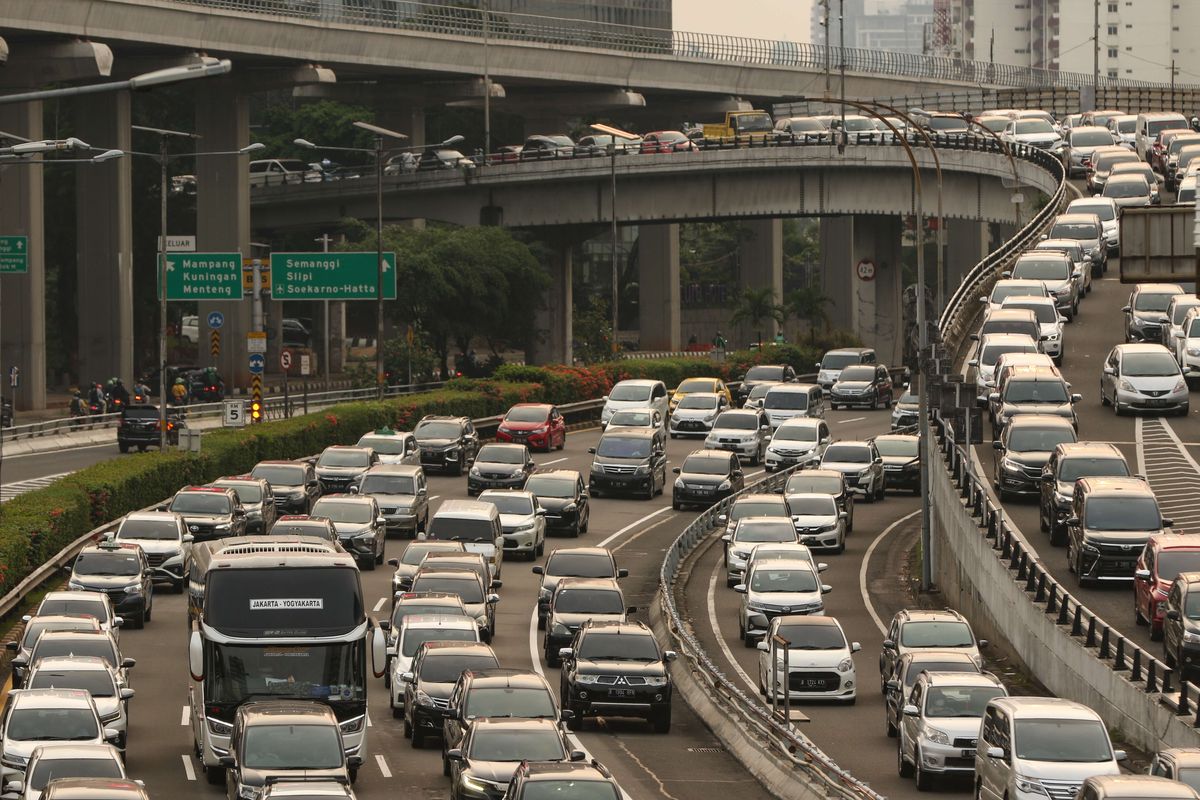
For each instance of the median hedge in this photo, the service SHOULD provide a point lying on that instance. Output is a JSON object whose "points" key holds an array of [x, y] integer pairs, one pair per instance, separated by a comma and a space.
{"points": [[36, 525]]}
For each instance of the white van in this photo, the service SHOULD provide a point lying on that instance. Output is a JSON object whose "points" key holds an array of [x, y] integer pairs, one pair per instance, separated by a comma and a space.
{"points": [[1040, 746], [635, 393], [1149, 125], [476, 524], [789, 400]]}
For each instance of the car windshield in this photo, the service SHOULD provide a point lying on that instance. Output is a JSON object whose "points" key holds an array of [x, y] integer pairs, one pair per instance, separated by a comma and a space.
{"points": [[1192, 606], [438, 430], [447, 668], [149, 529], [1106, 162], [795, 433], [704, 465], [909, 399], [1072, 469], [776, 579], [343, 511], [580, 565], [1152, 301], [635, 419], [550, 486], [1042, 269], [802, 125], [764, 372], [1179, 310], [812, 637], [1123, 514], [778, 529], [1034, 126], [96, 682], [697, 385], [511, 503], [858, 373], [897, 447], [624, 447], [280, 475], [821, 506], [1149, 365], [1029, 439], [1003, 291], [991, 353], [919, 665], [508, 701], [851, 454], [1045, 313], [388, 484], [501, 454], [1061, 740], [387, 445], [291, 747], [246, 492], [35, 626], [698, 402], [817, 484], [1188, 775], [344, 458], [1090, 138], [576, 789], [737, 421], [1074, 230], [858, 124], [839, 360], [1172, 562], [787, 400], [48, 769], [626, 393], [415, 553], [119, 563], [200, 503], [1104, 211], [52, 724], [83, 605], [527, 414], [411, 609], [1126, 125], [1124, 188], [936, 633], [618, 647], [594, 601], [99, 646], [415, 637], [468, 588], [516, 745], [959, 701], [1048, 391]]}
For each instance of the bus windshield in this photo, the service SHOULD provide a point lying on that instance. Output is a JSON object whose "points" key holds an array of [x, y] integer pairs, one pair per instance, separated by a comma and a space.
{"points": [[312, 601], [335, 673]]}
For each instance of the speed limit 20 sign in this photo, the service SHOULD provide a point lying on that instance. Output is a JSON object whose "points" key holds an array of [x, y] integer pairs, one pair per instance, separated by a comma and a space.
{"points": [[233, 414]]}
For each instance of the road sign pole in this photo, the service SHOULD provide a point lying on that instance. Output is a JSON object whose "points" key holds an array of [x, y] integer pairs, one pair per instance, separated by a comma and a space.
{"points": [[162, 301], [285, 361]]}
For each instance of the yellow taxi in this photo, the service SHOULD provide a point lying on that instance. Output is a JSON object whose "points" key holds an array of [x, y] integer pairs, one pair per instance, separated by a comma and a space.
{"points": [[695, 385]]}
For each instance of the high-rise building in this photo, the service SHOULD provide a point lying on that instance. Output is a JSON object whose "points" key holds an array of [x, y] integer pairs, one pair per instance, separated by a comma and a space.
{"points": [[900, 25]]}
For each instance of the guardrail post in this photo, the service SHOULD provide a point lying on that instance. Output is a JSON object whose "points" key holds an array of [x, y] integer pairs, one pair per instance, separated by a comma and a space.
{"points": [[1183, 708], [1135, 671], [1040, 593], [1052, 601], [1151, 676], [1077, 620], [1104, 646], [1165, 687], [1119, 658], [1090, 640]]}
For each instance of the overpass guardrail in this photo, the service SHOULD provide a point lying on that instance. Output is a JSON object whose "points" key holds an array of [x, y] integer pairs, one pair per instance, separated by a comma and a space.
{"points": [[446, 20]]}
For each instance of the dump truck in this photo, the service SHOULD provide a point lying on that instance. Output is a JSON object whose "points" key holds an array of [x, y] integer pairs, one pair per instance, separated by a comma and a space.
{"points": [[755, 124]]}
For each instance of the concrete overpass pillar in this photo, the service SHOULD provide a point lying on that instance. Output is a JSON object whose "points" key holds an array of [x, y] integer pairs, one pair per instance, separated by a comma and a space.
{"points": [[408, 119], [762, 266], [967, 243], [658, 286], [556, 322], [22, 212], [104, 243], [223, 210], [868, 308]]}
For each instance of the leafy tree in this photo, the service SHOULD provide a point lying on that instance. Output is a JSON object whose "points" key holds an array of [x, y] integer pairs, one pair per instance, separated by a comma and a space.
{"points": [[592, 331], [283, 120], [756, 306], [810, 304]]}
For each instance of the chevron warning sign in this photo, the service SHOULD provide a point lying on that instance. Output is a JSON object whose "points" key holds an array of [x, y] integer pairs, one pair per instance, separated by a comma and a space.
{"points": [[216, 343]]}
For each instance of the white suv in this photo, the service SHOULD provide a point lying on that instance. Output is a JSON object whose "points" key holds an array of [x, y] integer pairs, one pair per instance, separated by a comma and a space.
{"points": [[801, 440], [94, 676], [776, 588], [634, 394], [939, 724]]}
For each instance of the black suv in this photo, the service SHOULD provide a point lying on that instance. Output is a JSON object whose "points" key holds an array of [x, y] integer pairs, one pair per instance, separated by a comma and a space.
{"points": [[447, 443], [823, 481], [293, 483], [616, 668], [435, 670], [561, 493], [559, 779], [763, 373], [629, 460], [120, 571], [1068, 463], [706, 477], [138, 427], [209, 512], [1180, 630], [341, 466], [518, 693]]}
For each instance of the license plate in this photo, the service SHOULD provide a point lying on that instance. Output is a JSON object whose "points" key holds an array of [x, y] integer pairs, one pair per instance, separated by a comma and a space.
{"points": [[1154, 403], [520, 439], [729, 447], [967, 753], [812, 683], [620, 692], [1122, 566]]}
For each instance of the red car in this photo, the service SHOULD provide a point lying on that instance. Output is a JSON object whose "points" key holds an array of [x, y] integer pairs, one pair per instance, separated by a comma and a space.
{"points": [[667, 142], [538, 425], [1164, 557]]}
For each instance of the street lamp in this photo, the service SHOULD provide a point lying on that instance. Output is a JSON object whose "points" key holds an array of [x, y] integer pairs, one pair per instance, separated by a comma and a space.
{"points": [[205, 68], [378, 152], [164, 137], [613, 134]]}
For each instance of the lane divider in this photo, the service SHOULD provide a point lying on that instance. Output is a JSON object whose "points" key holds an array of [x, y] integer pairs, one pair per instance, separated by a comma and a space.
{"points": [[862, 570], [716, 629], [188, 770]]}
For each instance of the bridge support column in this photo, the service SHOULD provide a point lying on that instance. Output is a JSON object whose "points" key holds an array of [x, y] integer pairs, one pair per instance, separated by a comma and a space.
{"points": [[870, 309], [658, 286], [22, 212], [223, 211], [556, 322], [408, 119], [104, 243], [967, 243], [762, 267]]}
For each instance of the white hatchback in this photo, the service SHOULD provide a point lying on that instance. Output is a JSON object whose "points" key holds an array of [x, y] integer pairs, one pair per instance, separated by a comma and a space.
{"points": [[818, 664], [777, 588]]}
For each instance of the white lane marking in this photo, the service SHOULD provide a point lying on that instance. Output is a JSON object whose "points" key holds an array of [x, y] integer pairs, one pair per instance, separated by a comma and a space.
{"points": [[534, 651], [862, 570], [548, 463], [186, 717], [852, 419], [383, 767], [15, 456], [379, 605], [1141, 450], [369, 723], [1171, 470], [631, 526], [187, 767], [755, 474], [639, 534], [10, 490], [716, 628]]}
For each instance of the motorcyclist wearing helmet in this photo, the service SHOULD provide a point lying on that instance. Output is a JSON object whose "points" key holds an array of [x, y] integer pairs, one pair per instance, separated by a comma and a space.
{"points": [[78, 406], [179, 392], [118, 393], [141, 392], [97, 400]]}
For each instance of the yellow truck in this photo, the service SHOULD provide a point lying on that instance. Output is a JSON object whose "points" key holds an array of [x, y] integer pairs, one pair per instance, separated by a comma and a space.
{"points": [[755, 125]]}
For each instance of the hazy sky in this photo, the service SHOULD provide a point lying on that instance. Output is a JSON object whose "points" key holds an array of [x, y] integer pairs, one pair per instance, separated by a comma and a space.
{"points": [[763, 19]]}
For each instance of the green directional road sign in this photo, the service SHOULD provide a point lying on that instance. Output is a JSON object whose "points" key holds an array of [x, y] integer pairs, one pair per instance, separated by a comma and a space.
{"points": [[204, 276], [14, 254], [331, 276]]}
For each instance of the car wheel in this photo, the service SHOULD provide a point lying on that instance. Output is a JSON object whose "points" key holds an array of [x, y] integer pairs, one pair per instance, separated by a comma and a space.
{"points": [[924, 779], [215, 775], [575, 723], [124, 448], [1168, 656], [661, 721], [904, 768], [841, 545], [458, 467], [1138, 619], [1042, 526], [890, 728], [552, 660], [367, 564], [676, 505], [1156, 634], [418, 738], [177, 586], [1103, 397]]}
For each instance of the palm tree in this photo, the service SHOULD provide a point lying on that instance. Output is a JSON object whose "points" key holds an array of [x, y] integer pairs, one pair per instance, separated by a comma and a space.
{"points": [[756, 306], [810, 304]]}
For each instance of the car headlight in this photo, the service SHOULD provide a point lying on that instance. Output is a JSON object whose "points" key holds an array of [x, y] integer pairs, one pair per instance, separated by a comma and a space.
{"points": [[846, 665], [1181, 386], [738, 554], [451, 450], [249, 792], [656, 681], [1125, 386], [643, 469], [570, 508], [597, 469], [725, 486], [1191, 636], [540, 430], [711, 417], [133, 588], [936, 736], [587, 679], [473, 784], [75, 586], [224, 526], [353, 725], [526, 528], [1140, 320], [1053, 337], [1009, 465], [423, 699], [14, 761], [1088, 547], [218, 728], [753, 606], [1029, 785], [475, 472], [558, 629], [865, 473], [365, 535], [679, 483]]}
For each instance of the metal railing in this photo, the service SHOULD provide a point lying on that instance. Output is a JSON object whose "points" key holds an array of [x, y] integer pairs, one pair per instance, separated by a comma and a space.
{"points": [[443, 19]]}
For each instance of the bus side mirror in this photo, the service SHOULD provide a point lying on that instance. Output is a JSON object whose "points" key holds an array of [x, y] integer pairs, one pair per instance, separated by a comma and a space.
{"points": [[195, 657]]}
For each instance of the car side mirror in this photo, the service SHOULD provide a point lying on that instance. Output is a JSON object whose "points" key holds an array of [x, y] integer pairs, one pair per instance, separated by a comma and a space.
{"points": [[893, 685], [1173, 615], [889, 644], [537, 569], [676, 470], [1076, 398], [631, 610], [406, 677], [974, 362], [911, 711], [111, 734], [622, 573], [1127, 309], [1167, 522], [826, 588], [14, 789], [1073, 521], [996, 752], [1096, 194], [592, 450], [454, 754], [381, 520], [1120, 755], [982, 300], [764, 646], [492, 599], [12, 647], [1006, 274], [497, 584], [994, 397], [393, 562], [975, 336], [188, 538], [1109, 371], [740, 588], [423, 491], [1142, 574], [997, 445], [353, 490], [228, 762], [983, 643], [727, 537], [566, 653], [822, 566], [118, 622], [579, 755], [982, 402], [855, 647], [127, 694], [669, 655]]}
